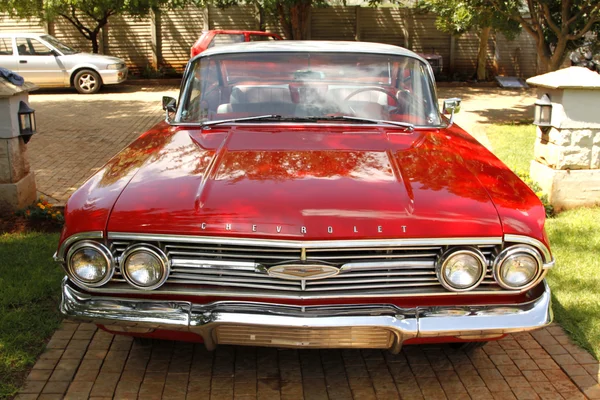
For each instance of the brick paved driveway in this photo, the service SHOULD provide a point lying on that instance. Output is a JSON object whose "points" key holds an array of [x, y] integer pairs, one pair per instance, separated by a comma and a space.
{"points": [[82, 362], [78, 134]]}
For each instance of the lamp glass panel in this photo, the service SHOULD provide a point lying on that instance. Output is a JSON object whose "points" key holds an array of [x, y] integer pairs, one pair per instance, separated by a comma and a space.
{"points": [[545, 114], [25, 122]]}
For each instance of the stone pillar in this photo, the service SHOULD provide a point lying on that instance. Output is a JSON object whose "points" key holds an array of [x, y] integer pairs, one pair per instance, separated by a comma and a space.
{"points": [[17, 182], [567, 153]]}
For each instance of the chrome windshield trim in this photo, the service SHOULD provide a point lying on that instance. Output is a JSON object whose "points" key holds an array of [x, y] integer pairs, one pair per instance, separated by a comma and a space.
{"points": [[307, 244], [59, 256], [548, 259]]}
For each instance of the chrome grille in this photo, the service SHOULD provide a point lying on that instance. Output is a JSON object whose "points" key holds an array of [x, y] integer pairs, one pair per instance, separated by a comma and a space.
{"points": [[343, 337], [402, 269]]}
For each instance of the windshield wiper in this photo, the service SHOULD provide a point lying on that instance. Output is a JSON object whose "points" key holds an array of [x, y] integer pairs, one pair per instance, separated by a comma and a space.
{"points": [[279, 118], [267, 117], [406, 125]]}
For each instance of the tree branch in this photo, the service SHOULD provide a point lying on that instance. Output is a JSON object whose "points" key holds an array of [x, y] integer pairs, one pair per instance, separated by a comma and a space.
{"points": [[584, 10], [584, 30], [549, 20], [77, 24]]}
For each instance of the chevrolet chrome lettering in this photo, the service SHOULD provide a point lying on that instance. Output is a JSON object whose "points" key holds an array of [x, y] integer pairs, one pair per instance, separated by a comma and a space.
{"points": [[278, 228], [307, 195]]}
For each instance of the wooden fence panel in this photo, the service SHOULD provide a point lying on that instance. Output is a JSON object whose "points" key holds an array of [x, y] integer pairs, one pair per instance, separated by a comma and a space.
{"points": [[517, 57], [131, 39], [180, 30], [33, 25], [333, 23], [238, 18], [69, 35], [426, 38], [383, 25]]}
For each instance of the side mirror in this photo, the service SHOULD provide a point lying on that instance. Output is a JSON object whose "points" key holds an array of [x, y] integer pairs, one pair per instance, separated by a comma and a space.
{"points": [[55, 53], [169, 104], [451, 106]]}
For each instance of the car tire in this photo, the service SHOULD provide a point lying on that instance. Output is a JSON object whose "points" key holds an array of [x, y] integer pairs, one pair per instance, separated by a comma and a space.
{"points": [[87, 81], [467, 347]]}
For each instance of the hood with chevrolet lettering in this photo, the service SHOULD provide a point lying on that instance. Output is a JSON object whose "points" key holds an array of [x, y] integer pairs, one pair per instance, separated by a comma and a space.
{"points": [[310, 183]]}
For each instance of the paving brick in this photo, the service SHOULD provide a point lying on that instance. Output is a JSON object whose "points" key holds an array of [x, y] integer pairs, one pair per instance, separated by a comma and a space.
{"points": [[56, 387]]}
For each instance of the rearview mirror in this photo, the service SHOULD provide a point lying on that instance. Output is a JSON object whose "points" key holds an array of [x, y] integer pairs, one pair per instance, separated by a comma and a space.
{"points": [[451, 106], [169, 104]]}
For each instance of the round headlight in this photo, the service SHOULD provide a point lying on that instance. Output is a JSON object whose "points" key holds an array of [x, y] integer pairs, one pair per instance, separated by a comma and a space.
{"points": [[461, 269], [145, 266], [90, 264], [517, 267]]}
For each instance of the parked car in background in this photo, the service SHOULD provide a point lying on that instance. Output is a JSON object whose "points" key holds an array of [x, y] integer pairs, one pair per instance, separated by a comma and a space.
{"points": [[311, 195], [45, 61], [215, 38], [436, 61]]}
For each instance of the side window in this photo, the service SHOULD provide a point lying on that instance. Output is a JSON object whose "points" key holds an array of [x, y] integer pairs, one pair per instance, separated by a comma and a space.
{"points": [[225, 38], [32, 47], [261, 38], [6, 47]]}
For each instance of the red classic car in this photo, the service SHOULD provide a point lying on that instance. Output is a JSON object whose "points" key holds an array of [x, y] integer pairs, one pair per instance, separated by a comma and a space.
{"points": [[213, 38], [307, 195]]}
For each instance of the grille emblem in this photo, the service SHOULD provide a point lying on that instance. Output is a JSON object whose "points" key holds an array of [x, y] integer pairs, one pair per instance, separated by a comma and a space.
{"points": [[302, 272]]}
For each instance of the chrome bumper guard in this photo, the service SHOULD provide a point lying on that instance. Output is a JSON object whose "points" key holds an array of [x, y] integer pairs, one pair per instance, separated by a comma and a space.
{"points": [[265, 324]]}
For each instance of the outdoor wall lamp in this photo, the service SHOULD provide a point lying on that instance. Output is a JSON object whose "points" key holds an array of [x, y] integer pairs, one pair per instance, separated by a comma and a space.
{"points": [[26, 121], [543, 112]]}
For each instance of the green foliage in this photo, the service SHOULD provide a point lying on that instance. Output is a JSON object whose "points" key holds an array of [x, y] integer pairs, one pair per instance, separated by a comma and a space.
{"points": [[29, 296], [43, 210], [460, 16], [557, 26], [88, 16], [575, 239]]}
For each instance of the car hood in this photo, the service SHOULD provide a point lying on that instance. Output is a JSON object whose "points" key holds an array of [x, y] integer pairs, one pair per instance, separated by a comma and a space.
{"points": [[96, 59], [299, 183]]}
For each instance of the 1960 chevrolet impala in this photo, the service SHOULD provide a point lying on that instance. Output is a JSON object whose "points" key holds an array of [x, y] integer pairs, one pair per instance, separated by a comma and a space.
{"points": [[310, 195]]}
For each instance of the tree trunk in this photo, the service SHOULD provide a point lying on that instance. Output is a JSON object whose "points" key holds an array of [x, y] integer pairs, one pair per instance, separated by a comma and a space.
{"points": [[482, 54], [94, 40]]}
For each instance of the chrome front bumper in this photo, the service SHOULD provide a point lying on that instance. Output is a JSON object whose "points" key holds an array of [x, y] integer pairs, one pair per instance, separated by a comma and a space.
{"points": [[265, 324]]}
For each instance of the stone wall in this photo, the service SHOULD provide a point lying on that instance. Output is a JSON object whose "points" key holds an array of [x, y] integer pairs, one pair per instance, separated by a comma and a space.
{"points": [[568, 148]]}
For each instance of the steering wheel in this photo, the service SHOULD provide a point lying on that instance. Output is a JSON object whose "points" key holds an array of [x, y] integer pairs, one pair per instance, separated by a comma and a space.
{"points": [[372, 89]]}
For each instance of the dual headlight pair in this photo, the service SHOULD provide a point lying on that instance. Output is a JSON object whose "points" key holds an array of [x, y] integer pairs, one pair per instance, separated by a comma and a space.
{"points": [[143, 266], [463, 269]]}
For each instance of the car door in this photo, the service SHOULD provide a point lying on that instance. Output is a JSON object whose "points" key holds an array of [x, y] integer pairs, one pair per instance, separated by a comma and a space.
{"points": [[38, 64], [8, 58]]}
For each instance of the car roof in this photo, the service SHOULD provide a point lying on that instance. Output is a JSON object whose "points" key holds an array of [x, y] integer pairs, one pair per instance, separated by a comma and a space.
{"points": [[240, 32], [292, 46]]}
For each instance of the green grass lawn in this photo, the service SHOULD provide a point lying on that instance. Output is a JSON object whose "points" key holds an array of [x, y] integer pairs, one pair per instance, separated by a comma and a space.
{"points": [[29, 295], [575, 240]]}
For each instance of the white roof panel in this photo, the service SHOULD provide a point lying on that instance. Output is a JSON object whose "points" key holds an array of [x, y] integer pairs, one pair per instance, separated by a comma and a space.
{"points": [[300, 46]]}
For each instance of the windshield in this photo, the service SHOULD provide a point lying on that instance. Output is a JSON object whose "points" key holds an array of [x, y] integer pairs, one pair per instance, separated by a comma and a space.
{"points": [[309, 84], [63, 48]]}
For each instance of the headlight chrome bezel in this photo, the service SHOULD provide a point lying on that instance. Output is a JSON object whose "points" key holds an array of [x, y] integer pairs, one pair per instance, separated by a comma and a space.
{"points": [[511, 251], [153, 251], [443, 263], [104, 252]]}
